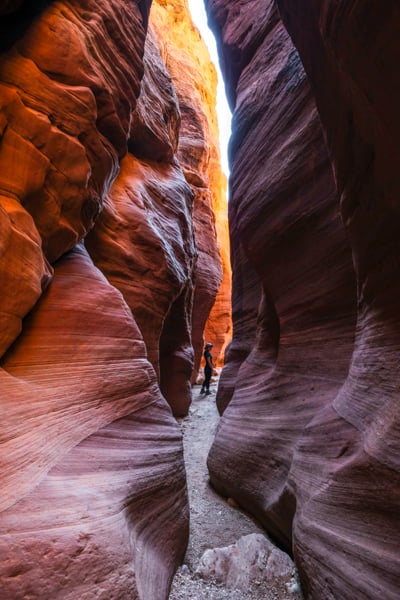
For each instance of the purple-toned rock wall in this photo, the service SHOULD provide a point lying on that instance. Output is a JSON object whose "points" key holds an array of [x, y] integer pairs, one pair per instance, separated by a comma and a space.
{"points": [[309, 437]]}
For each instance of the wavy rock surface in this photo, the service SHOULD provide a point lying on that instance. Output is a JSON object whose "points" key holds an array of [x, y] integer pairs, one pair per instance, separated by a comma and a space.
{"points": [[309, 435], [97, 266], [186, 56], [144, 241], [81, 503], [218, 327], [64, 123], [355, 80]]}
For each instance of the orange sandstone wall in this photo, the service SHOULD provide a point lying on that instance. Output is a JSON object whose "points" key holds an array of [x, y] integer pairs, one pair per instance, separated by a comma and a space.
{"points": [[144, 240], [98, 263], [218, 328], [194, 77]]}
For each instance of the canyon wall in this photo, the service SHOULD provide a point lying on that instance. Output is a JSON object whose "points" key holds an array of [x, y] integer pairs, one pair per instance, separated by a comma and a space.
{"points": [[309, 436], [198, 150], [98, 268]]}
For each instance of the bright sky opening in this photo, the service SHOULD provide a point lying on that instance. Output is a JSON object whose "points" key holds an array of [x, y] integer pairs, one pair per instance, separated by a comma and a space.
{"points": [[199, 17]]}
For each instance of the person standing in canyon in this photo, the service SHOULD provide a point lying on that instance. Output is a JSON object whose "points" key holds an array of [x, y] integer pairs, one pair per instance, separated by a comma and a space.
{"points": [[208, 369]]}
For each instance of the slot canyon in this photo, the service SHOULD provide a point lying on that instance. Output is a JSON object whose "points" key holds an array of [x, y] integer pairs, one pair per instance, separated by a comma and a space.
{"points": [[120, 255]]}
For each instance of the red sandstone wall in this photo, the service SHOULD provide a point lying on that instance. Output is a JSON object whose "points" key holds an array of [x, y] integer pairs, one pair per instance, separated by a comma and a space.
{"points": [[85, 490], [97, 270], [308, 438]]}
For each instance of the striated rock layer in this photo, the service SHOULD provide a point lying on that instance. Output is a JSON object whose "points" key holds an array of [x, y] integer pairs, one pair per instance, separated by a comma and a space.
{"points": [[195, 81], [144, 240], [218, 327], [64, 123], [97, 268], [309, 439], [92, 464]]}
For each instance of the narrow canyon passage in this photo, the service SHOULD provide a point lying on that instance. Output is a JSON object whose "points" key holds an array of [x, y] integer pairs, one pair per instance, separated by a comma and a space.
{"points": [[217, 522], [120, 258]]}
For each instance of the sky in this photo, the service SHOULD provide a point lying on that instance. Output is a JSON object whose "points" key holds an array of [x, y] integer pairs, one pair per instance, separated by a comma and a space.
{"points": [[199, 17]]}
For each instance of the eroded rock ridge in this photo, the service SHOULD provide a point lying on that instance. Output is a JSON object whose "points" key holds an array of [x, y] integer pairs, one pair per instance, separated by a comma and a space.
{"points": [[309, 437], [100, 262]]}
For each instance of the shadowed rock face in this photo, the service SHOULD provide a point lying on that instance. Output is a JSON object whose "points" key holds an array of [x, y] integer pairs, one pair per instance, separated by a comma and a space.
{"points": [[8, 6], [97, 268], [309, 437], [16, 18]]}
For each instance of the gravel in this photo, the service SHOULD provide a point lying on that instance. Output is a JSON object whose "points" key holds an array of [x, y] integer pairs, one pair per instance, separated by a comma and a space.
{"points": [[214, 521]]}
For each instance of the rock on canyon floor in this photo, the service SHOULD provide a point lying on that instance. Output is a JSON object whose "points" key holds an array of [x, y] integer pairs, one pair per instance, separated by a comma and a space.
{"points": [[216, 522]]}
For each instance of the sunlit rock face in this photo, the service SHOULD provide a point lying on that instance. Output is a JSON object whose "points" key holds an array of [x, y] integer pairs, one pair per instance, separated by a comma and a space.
{"points": [[194, 78], [64, 123], [309, 437], [218, 328], [144, 241], [98, 256]]}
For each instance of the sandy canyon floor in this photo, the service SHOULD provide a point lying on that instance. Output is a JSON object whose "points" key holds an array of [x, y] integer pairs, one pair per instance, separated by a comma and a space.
{"points": [[217, 522]]}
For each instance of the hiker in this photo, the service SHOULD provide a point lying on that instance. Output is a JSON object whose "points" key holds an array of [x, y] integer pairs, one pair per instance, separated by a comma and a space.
{"points": [[208, 369]]}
